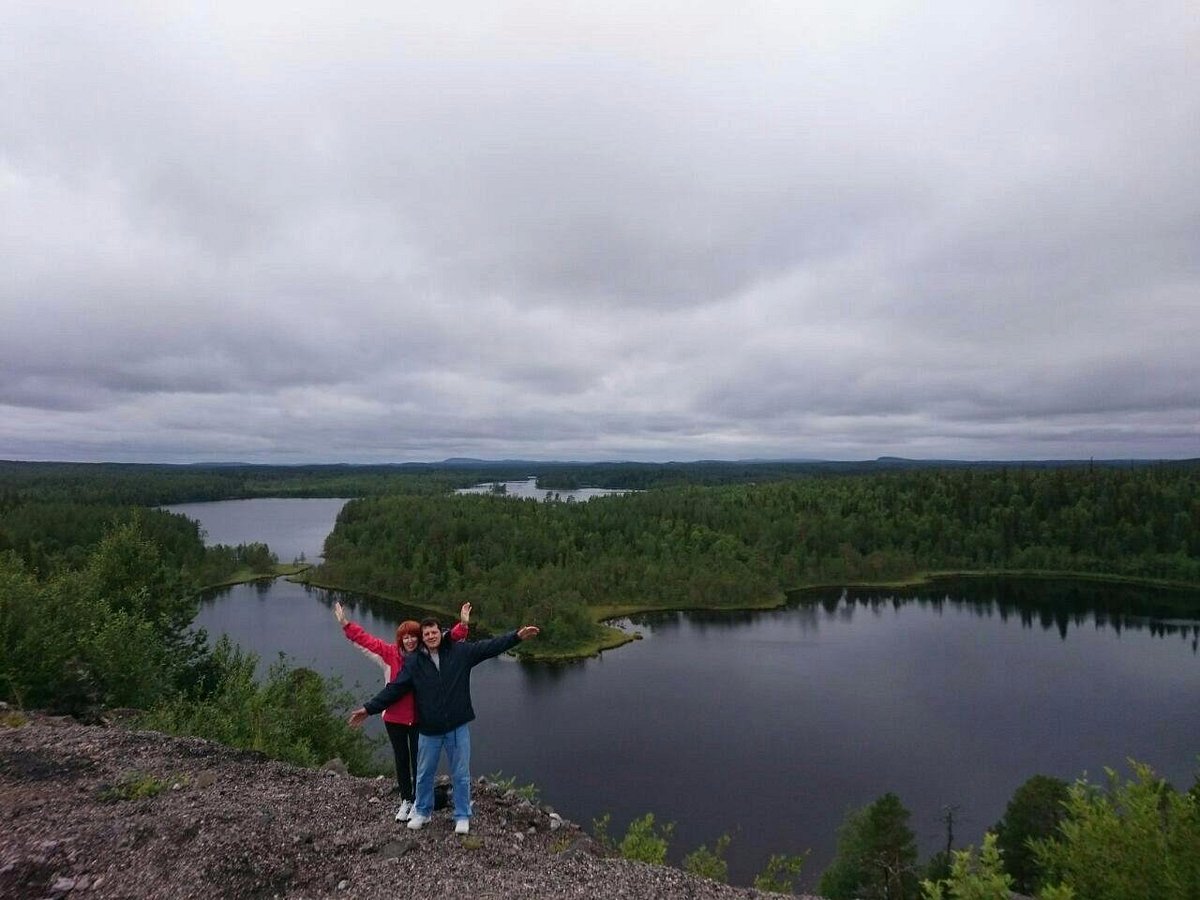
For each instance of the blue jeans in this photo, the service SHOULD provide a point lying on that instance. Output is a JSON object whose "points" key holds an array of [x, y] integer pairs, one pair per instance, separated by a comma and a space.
{"points": [[457, 744]]}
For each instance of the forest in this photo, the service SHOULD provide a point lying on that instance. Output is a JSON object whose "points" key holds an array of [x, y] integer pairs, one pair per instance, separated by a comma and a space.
{"points": [[565, 565], [97, 600], [692, 535]]}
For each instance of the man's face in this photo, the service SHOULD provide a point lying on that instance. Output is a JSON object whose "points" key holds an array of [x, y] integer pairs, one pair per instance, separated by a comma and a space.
{"points": [[432, 636]]}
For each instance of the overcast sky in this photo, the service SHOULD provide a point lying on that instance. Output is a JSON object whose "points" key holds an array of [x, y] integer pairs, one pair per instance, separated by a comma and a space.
{"points": [[365, 232]]}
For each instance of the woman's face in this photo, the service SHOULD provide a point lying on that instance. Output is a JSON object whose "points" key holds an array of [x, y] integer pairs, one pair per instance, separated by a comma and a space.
{"points": [[408, 643]]}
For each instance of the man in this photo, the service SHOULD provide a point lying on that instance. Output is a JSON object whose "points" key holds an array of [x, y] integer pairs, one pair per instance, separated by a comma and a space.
{"points": [[439, 675]]}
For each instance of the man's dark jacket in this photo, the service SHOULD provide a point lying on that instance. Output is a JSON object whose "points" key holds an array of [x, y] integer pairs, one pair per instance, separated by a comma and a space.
{"points": [[443, 694]]}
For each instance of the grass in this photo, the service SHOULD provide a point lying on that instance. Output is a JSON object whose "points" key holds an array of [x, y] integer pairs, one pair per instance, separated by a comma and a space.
{"points": [[246, 575], [530, 792], [609, 639], [921, 579], [12, 718], [133, 786]]}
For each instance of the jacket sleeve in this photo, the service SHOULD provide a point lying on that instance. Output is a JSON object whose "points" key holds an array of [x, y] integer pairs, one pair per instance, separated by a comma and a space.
{"points": [[481, 650], [458, 632], [392, 692], [367, 641]]}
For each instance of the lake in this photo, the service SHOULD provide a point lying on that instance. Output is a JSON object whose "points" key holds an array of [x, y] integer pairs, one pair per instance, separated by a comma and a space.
{"points": [[771, 725], [528, 490]]}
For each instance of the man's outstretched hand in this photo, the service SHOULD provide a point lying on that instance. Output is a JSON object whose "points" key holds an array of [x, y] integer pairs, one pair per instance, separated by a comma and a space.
{"points": [[358, 717], [529, 631]]}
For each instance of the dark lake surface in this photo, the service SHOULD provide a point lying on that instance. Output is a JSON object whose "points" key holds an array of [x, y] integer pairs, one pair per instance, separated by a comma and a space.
{"points": [[771, 725]]}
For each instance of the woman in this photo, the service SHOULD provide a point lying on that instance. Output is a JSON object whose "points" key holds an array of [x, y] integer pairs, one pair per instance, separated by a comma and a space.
{"points": [[400, 719]]}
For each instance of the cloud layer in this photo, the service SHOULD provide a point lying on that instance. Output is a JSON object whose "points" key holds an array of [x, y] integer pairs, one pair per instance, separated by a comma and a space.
{"points": [[301, 233]]}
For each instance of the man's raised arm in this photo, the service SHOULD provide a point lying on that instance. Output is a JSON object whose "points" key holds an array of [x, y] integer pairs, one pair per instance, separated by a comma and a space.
{"points": [[481, 650]]}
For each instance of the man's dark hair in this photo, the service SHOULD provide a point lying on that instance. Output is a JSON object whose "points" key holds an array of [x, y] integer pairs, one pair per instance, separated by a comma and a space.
{"points": [[425, 623]]}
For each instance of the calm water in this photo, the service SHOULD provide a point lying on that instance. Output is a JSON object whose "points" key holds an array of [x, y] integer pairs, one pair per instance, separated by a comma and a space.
{"points": [[291, 527], [528, 489], [772, 725]]}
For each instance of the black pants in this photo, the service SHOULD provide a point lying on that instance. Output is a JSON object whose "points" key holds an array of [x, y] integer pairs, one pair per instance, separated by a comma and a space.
{"points": [[404, 746]]}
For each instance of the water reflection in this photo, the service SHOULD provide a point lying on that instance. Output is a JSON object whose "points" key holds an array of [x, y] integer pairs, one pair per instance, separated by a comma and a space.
{"points": [[772, 724], [529, 490], [1047, 603]]}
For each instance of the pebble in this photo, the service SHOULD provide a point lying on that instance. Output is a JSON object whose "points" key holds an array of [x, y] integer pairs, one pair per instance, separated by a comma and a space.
{"points": [[270, 829]]}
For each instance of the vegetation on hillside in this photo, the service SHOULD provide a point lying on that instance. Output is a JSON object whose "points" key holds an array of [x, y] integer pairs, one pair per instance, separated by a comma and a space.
{"points": [[108, 625], [565, 564], [1125, 839]]}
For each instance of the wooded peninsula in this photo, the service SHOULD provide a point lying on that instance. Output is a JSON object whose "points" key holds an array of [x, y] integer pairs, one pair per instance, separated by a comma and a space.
{"points": [[689, 536]]}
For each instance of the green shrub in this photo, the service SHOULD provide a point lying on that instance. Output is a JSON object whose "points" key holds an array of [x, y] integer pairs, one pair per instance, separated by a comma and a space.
{"points": [[295, 715], [973, 879], [133, 786], [530, 792], [781, 873], [12, 718], [1126, 841], [600, 833], [646, 843], [709, 863]]}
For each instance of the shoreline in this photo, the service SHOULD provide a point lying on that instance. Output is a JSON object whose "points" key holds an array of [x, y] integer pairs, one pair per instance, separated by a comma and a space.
{"points": [[613, 638], [246, 575]]}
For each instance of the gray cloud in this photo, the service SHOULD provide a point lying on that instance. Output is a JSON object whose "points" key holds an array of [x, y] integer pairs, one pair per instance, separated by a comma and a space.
{"points": [[561, 230]]}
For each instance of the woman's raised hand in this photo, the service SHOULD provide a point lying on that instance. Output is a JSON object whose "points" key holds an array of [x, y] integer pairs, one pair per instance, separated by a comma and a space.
{"points": [[339, 613], [464, 614]]}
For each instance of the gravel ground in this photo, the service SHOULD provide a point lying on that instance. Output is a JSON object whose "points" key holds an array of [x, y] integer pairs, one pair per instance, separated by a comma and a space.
{"points": [[229, 823]]}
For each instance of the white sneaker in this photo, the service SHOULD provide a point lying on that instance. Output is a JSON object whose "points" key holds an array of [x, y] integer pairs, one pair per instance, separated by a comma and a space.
{"points": [[462, 826], [416, 820], [404, 811]]}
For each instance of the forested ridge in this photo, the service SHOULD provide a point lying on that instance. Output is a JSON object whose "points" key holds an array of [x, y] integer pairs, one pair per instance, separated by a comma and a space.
{"points": [[746, 544], [702, 534], [135, 484]]}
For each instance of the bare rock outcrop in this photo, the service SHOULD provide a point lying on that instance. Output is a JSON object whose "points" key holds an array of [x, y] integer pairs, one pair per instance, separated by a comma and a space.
{"points": [[107, 812]]}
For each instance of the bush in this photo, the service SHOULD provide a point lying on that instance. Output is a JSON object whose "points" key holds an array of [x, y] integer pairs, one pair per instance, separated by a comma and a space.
{"points": [[530, 792], [601, 835], [646, 843], [780, 874], [709, 863], [132, 786], [1126, 841], [295, 715], [971, 879]]}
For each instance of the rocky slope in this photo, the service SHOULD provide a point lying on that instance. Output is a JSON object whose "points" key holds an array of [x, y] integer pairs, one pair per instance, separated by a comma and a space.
{"points": [[96, 812]]}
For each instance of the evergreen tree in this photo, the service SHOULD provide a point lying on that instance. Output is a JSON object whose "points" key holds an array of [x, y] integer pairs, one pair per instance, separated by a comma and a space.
{"points": [[1033, 813], [876, 855]]}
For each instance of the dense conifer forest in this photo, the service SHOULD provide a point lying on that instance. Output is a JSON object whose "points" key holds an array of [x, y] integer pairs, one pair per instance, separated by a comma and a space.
{"points": [[692, 535], [740, 545]]}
